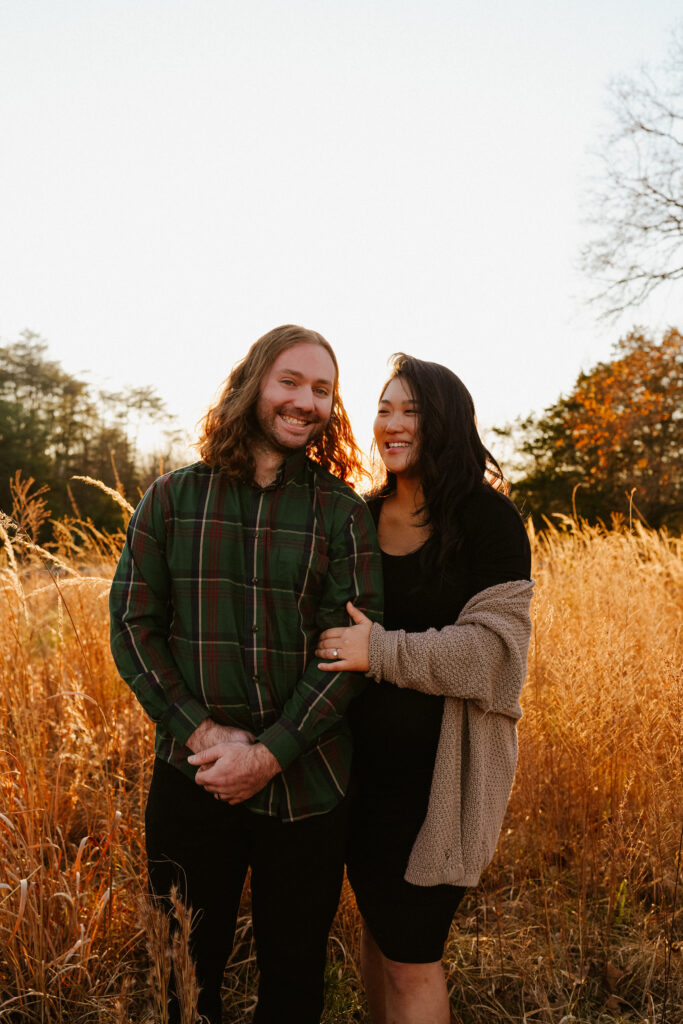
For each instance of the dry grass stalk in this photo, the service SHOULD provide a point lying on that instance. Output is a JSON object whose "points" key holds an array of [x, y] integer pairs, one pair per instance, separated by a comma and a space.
{"points": [[115, 495], [183, 964], [29, 508], [157, 927]]}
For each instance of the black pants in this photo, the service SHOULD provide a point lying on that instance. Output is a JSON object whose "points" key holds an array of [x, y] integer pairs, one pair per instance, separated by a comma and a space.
{"points": [[204, 846]]}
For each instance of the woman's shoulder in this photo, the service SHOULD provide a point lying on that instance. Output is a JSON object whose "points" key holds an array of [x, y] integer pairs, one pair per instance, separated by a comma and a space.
{"points": [[487, 509], [486, 499], [496, 537]]}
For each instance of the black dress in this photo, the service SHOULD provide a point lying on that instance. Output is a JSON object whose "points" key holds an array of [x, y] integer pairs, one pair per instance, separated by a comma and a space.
{"points": [[396, 732]]}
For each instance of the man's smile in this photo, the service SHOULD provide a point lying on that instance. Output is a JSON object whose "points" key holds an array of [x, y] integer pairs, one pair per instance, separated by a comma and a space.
{"points": [[295, 421]]}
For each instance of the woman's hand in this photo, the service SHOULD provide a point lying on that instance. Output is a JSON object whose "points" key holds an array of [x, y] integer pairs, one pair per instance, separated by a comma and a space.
{"points": [[346, 646]]}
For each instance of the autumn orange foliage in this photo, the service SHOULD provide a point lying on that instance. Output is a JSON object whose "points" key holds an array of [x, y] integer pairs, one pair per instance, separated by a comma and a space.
{"points": [[617, 437]]}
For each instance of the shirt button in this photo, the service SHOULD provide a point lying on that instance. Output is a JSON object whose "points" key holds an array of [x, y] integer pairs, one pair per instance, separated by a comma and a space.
{"points": [[254, 679], [254, 629], [254, 579]]}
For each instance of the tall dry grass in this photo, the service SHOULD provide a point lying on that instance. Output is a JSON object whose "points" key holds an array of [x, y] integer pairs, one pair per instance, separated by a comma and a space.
{"points": [[577, 918]]}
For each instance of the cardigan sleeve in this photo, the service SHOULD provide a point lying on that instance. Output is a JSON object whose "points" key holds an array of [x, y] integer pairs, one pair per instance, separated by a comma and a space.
{"points": [[481, 657]]}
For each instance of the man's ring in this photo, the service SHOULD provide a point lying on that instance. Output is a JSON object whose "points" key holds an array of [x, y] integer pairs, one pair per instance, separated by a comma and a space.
{"points": [[335, 652]]}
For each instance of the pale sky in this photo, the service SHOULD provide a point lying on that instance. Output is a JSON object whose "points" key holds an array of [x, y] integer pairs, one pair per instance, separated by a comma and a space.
{"points": [[179, 176]]}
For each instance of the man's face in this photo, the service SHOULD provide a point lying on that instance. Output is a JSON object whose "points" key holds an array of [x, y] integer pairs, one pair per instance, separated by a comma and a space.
{"points": [[295, 400]]}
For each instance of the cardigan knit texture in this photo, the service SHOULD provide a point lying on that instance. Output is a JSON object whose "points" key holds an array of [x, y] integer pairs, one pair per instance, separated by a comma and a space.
{"points": [[479, 664]]}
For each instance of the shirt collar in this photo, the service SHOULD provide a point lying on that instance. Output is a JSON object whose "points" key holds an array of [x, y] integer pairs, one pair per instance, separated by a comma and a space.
{"points": [[290, 468]]}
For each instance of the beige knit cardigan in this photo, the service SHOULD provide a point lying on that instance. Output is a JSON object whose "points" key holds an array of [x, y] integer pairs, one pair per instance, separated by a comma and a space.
{"points": [[479, 665]]}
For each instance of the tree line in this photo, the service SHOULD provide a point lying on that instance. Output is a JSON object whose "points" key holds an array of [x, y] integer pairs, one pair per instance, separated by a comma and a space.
{"points": [[612, 445], [55, 426]]}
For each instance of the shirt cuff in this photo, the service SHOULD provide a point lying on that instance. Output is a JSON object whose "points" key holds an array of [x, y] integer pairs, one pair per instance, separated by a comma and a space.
{"points": [[283, 741], [183, 717]]}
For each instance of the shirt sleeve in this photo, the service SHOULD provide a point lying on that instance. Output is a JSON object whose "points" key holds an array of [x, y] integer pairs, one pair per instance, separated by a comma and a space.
{"points": [[319, 699], [140, 610]]}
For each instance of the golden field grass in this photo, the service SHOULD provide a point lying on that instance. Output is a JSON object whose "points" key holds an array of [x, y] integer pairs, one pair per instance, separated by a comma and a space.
{"points": [[576, 920]]}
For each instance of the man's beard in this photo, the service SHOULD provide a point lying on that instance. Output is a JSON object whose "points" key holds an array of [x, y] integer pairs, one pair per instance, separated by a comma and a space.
{"points": [[266, 433]]}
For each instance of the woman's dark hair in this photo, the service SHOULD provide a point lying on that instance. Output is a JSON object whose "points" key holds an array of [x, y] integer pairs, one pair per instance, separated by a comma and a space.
{"points": [[452, 461]]}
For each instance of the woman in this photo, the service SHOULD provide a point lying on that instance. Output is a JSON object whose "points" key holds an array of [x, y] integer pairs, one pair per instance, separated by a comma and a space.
{"points": [[435, 733]]}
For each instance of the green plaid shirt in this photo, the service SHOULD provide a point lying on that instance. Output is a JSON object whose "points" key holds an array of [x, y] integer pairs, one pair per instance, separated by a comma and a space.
{"points": [[216, 605]]}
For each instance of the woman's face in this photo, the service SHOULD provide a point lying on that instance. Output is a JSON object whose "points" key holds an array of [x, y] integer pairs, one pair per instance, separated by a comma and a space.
{"points": [[396, 428]]}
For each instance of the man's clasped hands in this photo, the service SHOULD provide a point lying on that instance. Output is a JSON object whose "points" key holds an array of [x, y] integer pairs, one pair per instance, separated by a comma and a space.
{"points": [[231, 763]]}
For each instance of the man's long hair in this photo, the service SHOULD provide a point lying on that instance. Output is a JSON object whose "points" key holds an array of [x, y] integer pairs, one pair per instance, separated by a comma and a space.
{"points": [[230, 426]]}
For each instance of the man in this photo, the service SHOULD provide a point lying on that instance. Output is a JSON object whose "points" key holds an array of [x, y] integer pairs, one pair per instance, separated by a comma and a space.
{"points": [[231, 569]]}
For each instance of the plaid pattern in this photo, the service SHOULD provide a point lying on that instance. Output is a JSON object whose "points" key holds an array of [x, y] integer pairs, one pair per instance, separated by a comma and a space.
{"points": [[218, 599]]}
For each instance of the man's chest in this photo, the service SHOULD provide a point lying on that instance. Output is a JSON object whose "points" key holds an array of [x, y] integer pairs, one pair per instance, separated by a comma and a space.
{"points": [[268, 540]]}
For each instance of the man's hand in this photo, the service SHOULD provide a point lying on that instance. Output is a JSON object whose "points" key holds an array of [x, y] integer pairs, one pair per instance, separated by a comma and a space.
{"points": [[210, 734], [234, 771]]}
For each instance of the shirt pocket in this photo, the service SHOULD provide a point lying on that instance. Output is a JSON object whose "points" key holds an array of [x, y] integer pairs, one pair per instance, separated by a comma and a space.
{"points": [[301, 573]]}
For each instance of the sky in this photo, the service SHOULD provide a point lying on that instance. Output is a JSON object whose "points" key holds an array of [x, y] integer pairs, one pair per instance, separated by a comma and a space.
{"points": [[179, 176]]}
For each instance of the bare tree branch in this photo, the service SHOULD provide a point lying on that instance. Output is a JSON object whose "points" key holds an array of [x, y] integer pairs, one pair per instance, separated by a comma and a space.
{"points": [[636, 204]]}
